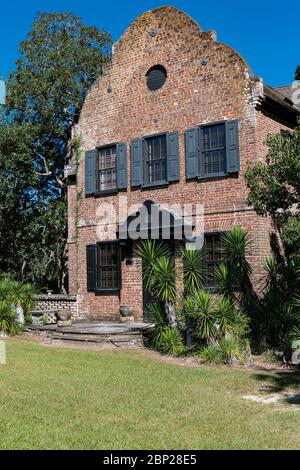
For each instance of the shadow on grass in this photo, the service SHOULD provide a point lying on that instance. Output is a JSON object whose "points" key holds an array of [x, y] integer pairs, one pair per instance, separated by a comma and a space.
{"points": [[285, 383]]}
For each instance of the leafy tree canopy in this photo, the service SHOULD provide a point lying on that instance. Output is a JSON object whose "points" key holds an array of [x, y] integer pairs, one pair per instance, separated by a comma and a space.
{"points": [[275, 186], [59, 61]]}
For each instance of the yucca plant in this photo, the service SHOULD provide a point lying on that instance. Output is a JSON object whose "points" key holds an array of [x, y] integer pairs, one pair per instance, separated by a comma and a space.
{"points": [[211, 354], [159, 275], [200, 310], [193, 269], [271, 268], [231, 320], [226, 315], [16, 300], [224, 282], [235, 247], [172, 341], [164, 338], [230, 348], [150, 251], [163, 286]]}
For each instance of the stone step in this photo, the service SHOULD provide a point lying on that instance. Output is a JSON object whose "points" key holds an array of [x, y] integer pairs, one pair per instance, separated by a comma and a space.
{"points": [[100, 333], [117, 339]]}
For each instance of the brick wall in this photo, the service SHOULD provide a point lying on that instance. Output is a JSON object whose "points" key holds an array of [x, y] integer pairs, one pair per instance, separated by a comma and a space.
{"points": [[193, 94], [57, 302]]}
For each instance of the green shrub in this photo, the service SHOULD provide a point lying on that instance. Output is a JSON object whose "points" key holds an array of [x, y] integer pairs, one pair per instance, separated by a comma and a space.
{"points": [[13, 294], [172, 341], [165, 338], [230, 349], [211, 354], [193, 269]]}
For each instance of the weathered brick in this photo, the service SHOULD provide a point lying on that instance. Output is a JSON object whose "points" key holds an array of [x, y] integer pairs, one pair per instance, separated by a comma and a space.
{"points": [[193, 94]]}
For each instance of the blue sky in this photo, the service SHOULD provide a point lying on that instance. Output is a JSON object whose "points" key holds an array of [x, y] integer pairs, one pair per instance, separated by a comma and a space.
{"points": [[266, 34]]}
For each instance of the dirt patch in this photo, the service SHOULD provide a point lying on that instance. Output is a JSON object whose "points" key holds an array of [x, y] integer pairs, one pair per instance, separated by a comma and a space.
{"points": [[292, 399], [259, 363]]}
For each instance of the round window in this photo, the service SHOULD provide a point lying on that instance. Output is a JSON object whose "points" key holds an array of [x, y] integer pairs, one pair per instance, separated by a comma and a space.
{"points": [[156, 77]]}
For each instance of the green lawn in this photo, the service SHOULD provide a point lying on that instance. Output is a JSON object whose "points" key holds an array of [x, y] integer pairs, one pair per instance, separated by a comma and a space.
{"points": [[59, 398]]}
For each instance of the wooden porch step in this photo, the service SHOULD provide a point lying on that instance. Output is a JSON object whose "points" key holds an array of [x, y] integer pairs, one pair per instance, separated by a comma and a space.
{"points": [[117, 339]]}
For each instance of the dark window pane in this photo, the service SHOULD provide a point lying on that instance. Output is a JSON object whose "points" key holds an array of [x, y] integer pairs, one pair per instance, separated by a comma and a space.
{"points": [[107, 168], [109, 266], [156, 159], [214, 149], [213, 252]]}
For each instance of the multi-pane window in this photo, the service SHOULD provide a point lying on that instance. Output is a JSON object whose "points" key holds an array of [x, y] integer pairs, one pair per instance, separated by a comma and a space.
{"points": [[107, 174], [213, 253], [213, 155], [109, 267], [156, 159]]}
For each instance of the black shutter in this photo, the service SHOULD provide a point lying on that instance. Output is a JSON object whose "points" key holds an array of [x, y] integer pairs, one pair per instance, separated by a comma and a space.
{"points": [[137, 162], [121, 166], [232, 147], [192, 153], [90, 171], [91, 261], [172, 156]]}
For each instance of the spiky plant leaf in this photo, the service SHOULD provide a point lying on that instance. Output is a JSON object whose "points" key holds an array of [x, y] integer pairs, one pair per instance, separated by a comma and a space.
{"points": [[235, 247], [150, 251], [163, 283], [193, 269]]}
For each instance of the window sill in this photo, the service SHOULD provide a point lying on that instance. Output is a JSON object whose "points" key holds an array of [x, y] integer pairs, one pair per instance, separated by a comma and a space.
{"points": [[212, 176], [156, 184], [108, 290], [106, 192]]}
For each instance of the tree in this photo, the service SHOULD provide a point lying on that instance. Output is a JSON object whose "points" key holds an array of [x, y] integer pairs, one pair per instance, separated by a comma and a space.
{"points": [[58, 63], [275, 187]]}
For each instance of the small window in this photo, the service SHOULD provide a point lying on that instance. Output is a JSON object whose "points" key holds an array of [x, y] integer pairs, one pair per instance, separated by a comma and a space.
{"points": [[156, 77], [107, 174], [213, 155], [156, 159], [213, 253], [109, 266]]}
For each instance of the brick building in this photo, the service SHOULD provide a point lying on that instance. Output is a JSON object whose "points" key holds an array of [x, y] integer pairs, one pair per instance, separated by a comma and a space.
{"points": [[175, 118]]}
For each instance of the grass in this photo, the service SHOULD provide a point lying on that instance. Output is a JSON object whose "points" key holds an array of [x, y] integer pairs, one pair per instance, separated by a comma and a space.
{"points": [[59, 398]]}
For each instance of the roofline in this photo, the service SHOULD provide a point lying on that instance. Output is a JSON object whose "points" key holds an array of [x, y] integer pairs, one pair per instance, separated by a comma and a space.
{"points": [[275, 95], [281, 86], [277, 106]]}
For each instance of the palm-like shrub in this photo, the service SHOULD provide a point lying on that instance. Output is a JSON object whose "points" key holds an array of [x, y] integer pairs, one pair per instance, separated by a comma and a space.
{"points": [[231, 320], [159, 275], [212, 317], [204, 316], [14, 297], [150, 251], [193, 269], [227, 350], [279, 316], [211, 353], [224, 282], [235, 247], [230, 348], [164, 338]]}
